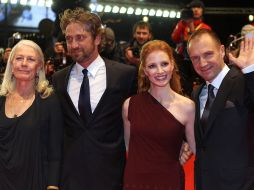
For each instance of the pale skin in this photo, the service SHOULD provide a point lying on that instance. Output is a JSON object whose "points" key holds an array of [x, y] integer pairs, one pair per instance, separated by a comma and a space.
{"points": [[208, 57], [158, 69], [246, 56], [81, 45], [25, 65], [197, 12], [208, 60]]}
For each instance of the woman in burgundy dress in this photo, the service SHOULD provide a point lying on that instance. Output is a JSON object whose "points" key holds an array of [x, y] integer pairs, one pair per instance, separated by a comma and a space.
{"points": [[156, 120]]}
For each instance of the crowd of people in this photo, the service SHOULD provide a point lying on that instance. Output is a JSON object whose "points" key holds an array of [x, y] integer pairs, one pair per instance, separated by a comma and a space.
{"points": [[79, 120]]}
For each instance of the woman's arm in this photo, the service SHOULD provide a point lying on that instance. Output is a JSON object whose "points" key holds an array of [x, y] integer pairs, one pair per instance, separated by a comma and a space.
{"points": [[189, 127], [126, 122]]}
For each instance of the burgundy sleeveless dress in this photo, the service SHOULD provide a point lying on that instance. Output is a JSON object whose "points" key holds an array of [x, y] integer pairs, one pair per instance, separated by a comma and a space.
{"points": [[154, 147]]}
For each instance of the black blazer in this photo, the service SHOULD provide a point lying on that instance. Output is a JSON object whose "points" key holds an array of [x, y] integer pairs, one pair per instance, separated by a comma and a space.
{"points": [[223, 151], [94, 154]]}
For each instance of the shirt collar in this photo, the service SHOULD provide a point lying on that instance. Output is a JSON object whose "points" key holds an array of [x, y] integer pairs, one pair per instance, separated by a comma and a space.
{"points": [[92, 68], [95, 66], [218, 79]]}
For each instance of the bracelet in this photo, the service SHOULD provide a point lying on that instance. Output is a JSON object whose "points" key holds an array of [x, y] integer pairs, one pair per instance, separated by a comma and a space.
{"points": [[52, 188]]}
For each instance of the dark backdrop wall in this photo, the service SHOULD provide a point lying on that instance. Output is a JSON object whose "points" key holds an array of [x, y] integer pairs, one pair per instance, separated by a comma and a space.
{"points": [[224, 25]]}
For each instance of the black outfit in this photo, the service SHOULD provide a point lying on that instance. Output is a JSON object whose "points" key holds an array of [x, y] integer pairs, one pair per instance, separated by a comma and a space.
{"points": [[30, 146], [2, 66], [58, 61], [117, 53], [135, 47], [94, 152], [223, 150]]}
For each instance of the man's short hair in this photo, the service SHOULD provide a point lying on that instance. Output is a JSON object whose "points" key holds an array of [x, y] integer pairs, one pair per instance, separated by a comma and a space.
{"points": [[141, 24], [196, 3], [203, 31], [91, 21]]}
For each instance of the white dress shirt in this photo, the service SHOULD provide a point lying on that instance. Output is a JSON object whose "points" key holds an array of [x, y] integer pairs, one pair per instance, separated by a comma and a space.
{"points": [[97, 82], [216, 83]]}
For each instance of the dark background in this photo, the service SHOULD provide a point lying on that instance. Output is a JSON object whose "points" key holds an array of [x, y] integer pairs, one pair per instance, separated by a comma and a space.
{"points": [[222, 22]]}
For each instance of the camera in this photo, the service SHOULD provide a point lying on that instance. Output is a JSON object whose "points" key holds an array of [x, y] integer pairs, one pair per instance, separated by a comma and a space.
{"points": [[135, 52], [186, 14], [14, 39]]}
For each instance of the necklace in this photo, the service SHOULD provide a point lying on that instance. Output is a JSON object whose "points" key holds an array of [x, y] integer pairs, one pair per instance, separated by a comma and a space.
{"points": [[17, 105]]}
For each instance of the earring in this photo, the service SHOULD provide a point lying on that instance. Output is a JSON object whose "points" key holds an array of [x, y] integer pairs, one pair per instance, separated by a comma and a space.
{"points": [[12, 75], [36, 78]]}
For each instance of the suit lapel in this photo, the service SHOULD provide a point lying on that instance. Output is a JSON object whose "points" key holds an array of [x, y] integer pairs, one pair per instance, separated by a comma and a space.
{"points": [[67, 96], [198, 127], [221, 97]]}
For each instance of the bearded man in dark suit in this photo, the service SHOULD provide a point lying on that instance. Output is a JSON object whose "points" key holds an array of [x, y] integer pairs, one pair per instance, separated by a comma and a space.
{"points": [[94, 151]]}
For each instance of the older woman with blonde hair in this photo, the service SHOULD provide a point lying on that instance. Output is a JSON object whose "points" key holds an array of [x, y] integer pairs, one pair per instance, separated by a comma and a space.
{"points": [[30, 123], [156, 120]]}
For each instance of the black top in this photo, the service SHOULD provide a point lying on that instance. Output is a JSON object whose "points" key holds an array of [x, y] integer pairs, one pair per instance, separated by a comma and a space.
{"points": [[30, 146]]}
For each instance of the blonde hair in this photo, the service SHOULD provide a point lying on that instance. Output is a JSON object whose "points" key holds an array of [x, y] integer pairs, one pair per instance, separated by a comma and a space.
{"points": [[149, 47], [9, 82]]}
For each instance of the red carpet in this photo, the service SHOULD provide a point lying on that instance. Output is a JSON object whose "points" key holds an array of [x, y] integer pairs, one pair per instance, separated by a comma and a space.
{"points": [[189, 174]]}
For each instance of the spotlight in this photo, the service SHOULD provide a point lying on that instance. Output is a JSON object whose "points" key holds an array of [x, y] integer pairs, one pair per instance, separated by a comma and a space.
{"points": [[251, 18], [33, 2], [107, 9], [172, 14], [99, 8], [4, 1], [145, 19], [152, 12], [145, 12], [178, 14], [130, 11], [92, 7], [159, 13], [165, 13], [14, 1], [49, 3], [123, 10], [41, 3], [115, 9], [23, 2], [138, 11]]}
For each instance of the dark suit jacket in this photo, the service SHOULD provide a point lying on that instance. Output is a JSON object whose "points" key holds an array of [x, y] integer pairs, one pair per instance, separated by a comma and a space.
{"points": [[223, 151], [94, 154]]}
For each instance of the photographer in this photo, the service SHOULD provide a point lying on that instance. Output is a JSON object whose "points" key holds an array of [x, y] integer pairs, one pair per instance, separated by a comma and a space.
{"points": [[191, 20], [58, 59], [112, 49], [142, 33]]}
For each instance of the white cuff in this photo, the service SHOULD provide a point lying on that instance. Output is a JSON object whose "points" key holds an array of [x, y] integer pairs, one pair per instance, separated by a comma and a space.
{"points": [[248, 69]]}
